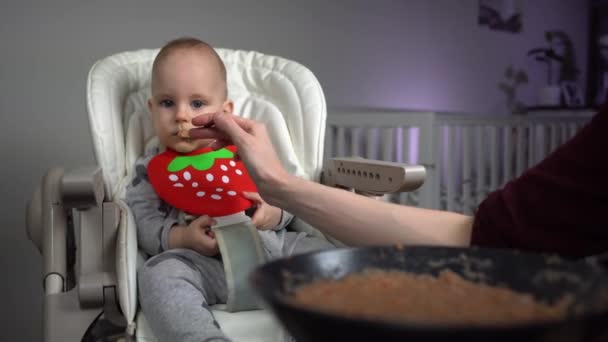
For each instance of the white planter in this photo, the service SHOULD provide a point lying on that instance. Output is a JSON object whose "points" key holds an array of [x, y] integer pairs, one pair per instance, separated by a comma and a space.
{"points": [[549, 96]]}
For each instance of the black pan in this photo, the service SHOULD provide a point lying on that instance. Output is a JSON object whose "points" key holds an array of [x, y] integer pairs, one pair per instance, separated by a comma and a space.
{"points": [[548, 278]]}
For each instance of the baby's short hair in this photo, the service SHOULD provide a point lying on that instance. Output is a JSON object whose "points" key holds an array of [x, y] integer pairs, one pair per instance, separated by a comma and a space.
{"points": [[189, 43]]}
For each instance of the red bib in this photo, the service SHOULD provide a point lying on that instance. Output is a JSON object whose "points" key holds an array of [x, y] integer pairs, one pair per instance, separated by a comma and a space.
{"points": [[202, 182]]}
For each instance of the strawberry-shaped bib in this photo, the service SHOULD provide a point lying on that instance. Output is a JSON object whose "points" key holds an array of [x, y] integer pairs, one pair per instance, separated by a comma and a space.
{"points": [[202, 182]]}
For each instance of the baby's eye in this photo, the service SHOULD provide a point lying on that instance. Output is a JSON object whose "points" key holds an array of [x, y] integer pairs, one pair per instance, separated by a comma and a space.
{"points": [[166, 103], [197, 103]]}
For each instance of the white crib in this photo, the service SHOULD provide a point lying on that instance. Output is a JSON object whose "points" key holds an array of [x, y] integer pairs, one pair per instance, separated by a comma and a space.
{"points": [[466, 155]]}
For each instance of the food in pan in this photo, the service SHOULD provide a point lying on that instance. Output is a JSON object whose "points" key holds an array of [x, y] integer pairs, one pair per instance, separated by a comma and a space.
{"points": [[425, 299]]}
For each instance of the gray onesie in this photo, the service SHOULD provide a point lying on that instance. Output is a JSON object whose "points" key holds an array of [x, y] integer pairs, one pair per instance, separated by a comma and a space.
{"points": [[177, 286]]}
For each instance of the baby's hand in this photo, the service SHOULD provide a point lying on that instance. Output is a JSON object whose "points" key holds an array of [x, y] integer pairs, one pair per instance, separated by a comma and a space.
{"points": [[266, 216], [196, 236]]}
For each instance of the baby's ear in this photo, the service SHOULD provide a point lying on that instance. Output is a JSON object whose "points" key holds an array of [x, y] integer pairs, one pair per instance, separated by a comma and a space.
{"points": [[228, 106]]}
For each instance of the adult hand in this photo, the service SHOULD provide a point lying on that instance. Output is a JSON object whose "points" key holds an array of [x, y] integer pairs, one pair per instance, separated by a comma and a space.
{"points": [[253, 144]]}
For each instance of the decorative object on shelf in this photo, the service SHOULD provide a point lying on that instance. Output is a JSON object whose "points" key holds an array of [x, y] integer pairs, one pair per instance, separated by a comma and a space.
{"points": [[500, 15], [572, 95], [560, 61], [514, 78]]}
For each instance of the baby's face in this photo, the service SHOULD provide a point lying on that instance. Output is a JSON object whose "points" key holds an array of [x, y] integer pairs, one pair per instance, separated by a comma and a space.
{"points": [[187, 83]]}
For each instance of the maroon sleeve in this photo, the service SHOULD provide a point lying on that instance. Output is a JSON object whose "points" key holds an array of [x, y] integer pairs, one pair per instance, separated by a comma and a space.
{"points": [[558, 206]]}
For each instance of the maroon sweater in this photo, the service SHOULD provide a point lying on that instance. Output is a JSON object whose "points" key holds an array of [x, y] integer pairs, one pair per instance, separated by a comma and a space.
{"points": [[558, 206]]}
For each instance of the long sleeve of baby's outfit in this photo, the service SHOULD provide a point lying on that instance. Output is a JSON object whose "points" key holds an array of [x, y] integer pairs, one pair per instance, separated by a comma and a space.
{"points": [[153, 217], [274, 239], [286, 218]]}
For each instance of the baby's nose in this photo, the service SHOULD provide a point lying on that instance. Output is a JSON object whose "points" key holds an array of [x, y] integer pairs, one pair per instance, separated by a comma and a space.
{"points": [[182, 116]]}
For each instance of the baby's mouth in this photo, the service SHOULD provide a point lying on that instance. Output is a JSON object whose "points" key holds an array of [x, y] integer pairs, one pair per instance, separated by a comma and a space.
{"points": [[182, 131]]}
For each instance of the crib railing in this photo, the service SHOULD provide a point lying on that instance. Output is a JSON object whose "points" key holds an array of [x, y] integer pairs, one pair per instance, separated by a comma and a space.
{"points": [[466, 156]]}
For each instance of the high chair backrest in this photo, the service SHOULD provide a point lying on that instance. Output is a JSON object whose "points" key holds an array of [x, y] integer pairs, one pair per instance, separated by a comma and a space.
{"points": [[281, 93]]}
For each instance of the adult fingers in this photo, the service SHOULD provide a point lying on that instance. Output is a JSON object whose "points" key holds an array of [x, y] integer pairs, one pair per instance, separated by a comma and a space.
{"points": [[220, 143], [204, 120], [253, 196], [207, 133], [225, 126]]}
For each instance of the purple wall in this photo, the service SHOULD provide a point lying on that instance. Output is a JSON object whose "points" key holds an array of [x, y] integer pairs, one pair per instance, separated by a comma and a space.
{"points": [[421, 54]]}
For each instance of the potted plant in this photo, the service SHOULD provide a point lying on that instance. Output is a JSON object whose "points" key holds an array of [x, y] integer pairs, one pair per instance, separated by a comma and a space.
{"points": [[514, 78], [559, 52]]}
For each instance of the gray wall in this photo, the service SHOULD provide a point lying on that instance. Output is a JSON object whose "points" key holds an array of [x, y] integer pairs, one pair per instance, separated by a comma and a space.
{"points": [[392, 53]]}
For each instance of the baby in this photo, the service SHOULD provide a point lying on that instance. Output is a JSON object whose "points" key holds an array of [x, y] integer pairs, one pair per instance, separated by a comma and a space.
{"points": [[185, 274]]}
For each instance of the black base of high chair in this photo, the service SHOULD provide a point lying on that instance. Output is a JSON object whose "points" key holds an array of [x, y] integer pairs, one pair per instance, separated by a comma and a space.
{"points": [[67, 320], [103, 330], [110, 324]]}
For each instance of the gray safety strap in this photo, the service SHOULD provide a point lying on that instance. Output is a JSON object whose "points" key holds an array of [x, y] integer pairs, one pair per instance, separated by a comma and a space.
{"points": [[242, 251]]}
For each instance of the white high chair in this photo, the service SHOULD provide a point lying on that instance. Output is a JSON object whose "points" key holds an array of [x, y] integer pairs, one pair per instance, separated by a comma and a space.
{"points": [[87, 234]]}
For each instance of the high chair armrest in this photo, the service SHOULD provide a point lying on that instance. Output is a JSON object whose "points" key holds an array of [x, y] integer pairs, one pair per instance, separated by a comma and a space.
{"points": [[372, 177], [74, 227], [49, 216], [46, 225], [82, 188]]}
